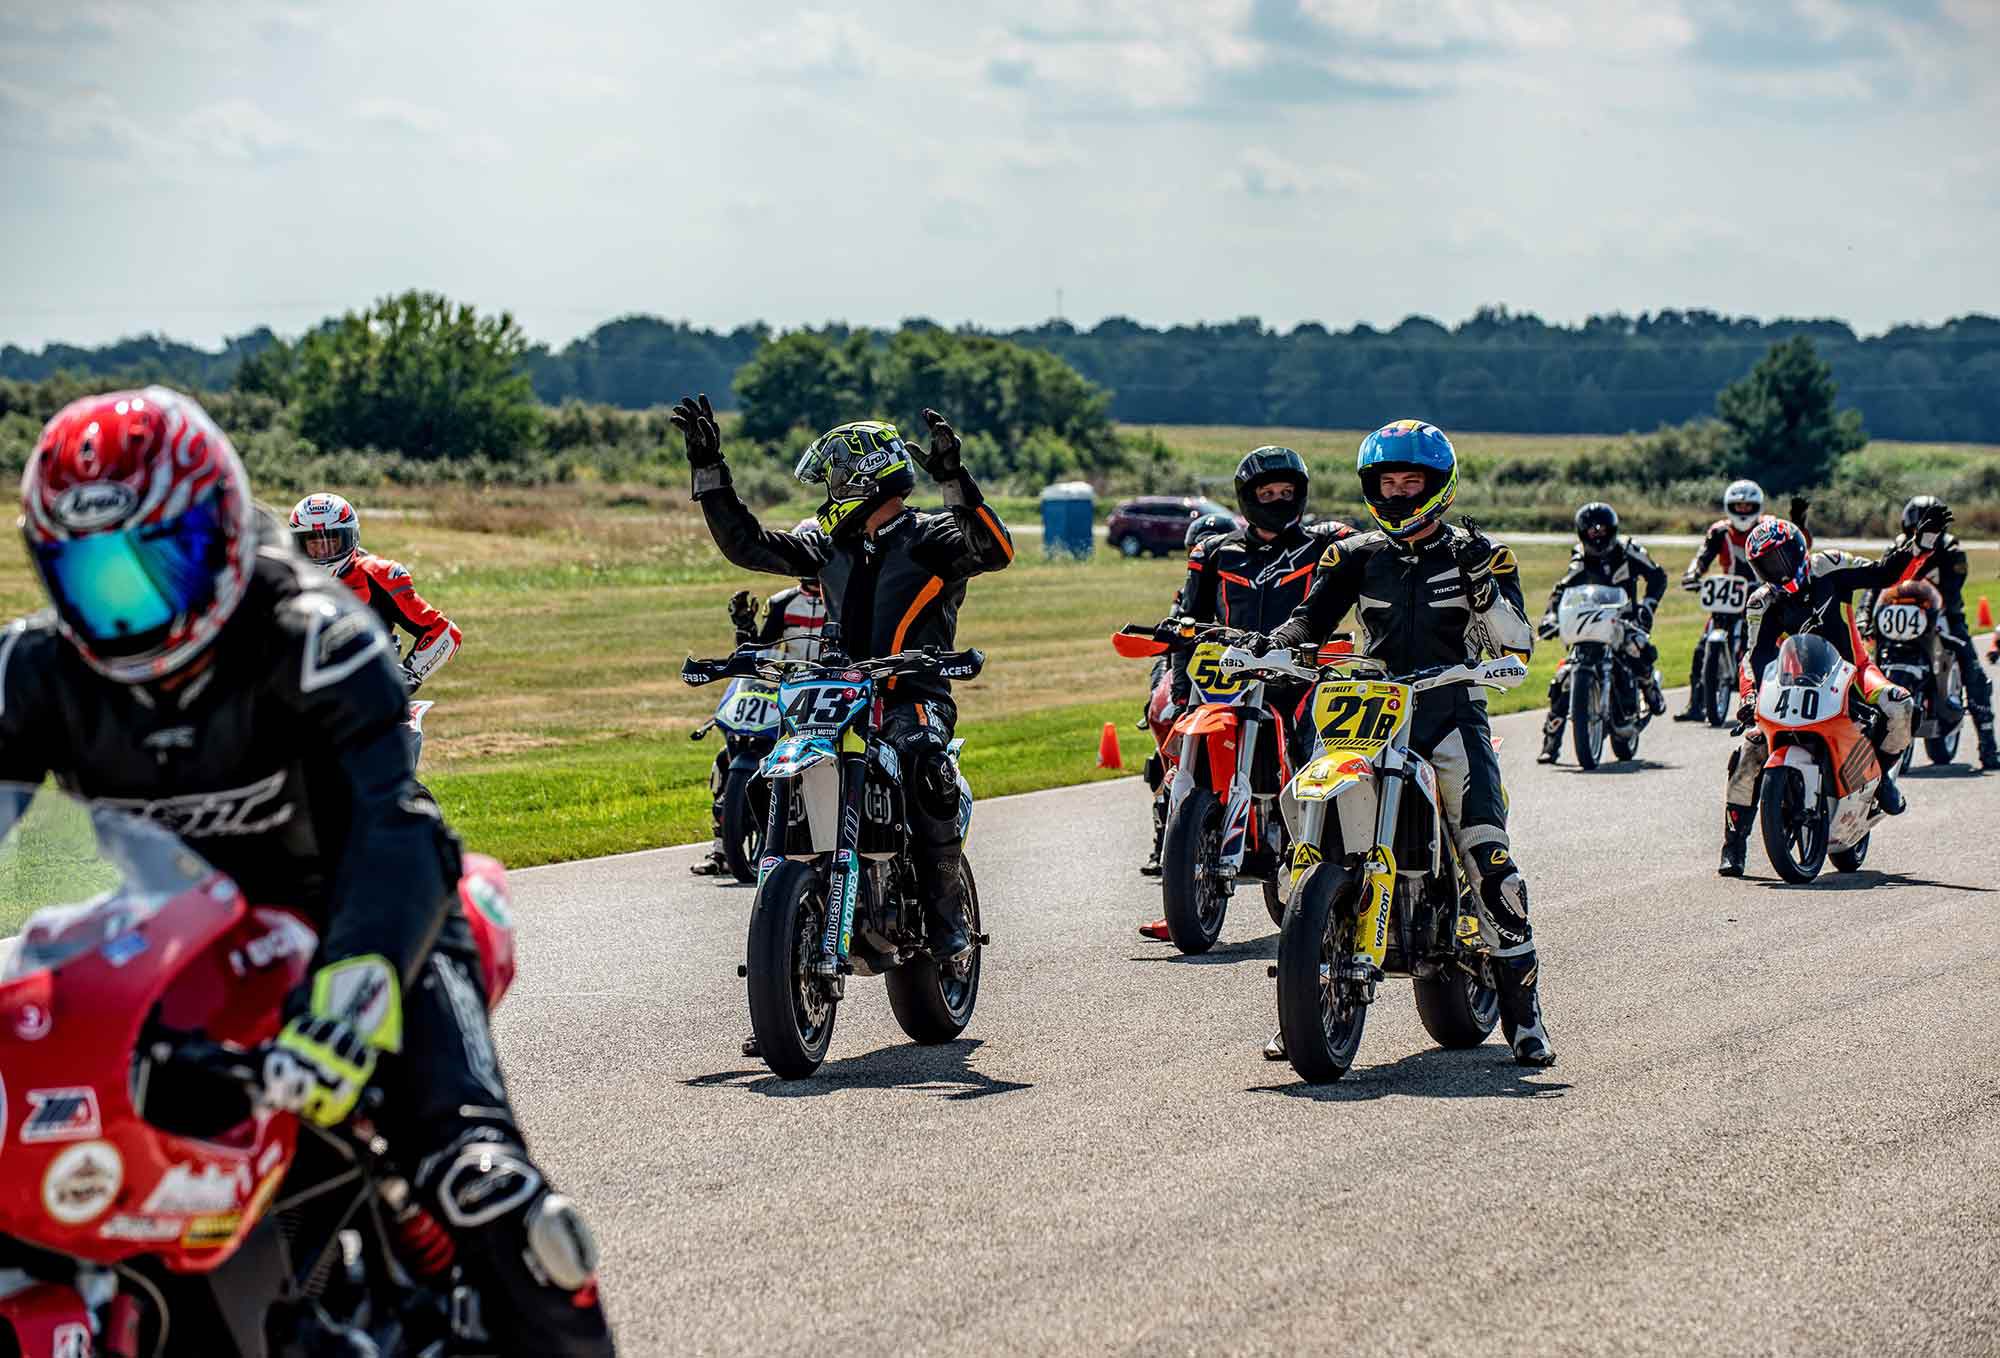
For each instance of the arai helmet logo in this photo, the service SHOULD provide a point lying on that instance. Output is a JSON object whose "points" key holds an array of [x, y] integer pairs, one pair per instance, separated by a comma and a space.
{"points": [[95, 504]]}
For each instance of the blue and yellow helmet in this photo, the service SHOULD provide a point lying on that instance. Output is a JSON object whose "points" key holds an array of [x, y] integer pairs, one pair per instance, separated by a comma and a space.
{"points": [[861, 465], [1408, 446]]}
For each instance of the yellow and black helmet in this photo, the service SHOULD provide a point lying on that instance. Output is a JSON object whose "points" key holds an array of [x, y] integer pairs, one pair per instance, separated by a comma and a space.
{"points": [[861, 465]]}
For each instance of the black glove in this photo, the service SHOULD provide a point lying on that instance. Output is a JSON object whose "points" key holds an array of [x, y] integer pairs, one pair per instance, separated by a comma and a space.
{"points": [[1690, 581], [1800, 504], [695, 418], [411, 681], [1932, 526], [1259, 644], [1746, 712], [1647, 609], [943, 460], [1547, 628], [743, 609], [1475, 563]]}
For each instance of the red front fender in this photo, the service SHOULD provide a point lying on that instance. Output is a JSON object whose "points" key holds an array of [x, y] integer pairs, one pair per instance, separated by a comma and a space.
{"points": [[1220, 728], [46, 1318]]}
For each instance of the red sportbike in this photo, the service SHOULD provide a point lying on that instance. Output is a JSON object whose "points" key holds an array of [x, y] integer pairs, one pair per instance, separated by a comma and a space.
{"points": [[138, 1164]]}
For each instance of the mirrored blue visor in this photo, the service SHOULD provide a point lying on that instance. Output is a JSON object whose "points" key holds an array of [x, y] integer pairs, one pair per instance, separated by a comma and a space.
{"points": [[122, 590]]}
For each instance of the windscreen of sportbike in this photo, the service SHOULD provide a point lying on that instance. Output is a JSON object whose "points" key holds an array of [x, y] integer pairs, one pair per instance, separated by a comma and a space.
{"points": [[1578, 600], [80, 877], [1807, 661]]}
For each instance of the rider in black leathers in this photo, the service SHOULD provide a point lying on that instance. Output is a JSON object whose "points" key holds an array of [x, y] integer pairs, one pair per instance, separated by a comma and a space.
{"points": [[275, 750], [1602, 557]]}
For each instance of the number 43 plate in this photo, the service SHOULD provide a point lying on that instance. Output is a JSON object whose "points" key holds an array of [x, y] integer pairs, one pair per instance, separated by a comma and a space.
{"points": [[1358, 715]]}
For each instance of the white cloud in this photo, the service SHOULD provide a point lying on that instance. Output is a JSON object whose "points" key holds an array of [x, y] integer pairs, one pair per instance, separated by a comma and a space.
{"points": [[1262, 173], [388, 111], [236, 129]]}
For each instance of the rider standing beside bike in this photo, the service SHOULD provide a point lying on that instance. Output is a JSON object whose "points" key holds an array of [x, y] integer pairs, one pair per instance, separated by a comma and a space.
{"points": [[1946, 567], [1601, 557], [1432, 594], [792, 622], [1808, 591], [1250, 579], [328, 531], [195, 672], [894, 580]]}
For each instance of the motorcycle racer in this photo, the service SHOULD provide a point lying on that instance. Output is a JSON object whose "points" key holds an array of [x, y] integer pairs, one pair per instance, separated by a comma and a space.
{"points": [[1429, 593], [1602, 557], [1742, 510], [1808, 591], [1946, 568], [894, 579], [327, 530], [1250, 579], [193, 670]]}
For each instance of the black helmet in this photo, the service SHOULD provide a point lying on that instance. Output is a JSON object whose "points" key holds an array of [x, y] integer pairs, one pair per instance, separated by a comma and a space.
{"points": [[1207, 526], [1261, 467], [1914, 511], [1597, 528]]}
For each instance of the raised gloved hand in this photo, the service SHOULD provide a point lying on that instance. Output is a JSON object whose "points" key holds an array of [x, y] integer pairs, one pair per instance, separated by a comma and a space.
{"points": [[743, 610], [1475, 562], [1931, 527], [1799, 506], [1547, 628], [325, 1056], [943, 458], [1690, 581], [700, 434]]}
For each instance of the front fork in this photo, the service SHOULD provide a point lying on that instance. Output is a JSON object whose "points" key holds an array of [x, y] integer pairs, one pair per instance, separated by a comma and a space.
{"points": [[845, 882], [1236, 814], [1371, 932]]}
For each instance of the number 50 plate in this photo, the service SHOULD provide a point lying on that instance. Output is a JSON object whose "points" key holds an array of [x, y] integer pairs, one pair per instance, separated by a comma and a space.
{"points": [[1359, 715]]}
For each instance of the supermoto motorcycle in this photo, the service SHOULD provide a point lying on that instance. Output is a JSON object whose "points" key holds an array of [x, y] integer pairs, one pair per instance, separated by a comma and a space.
{"points": [[1377, 889], [836, 887], [1603, 701], [1909, 649], [1817, 795], [1228, 762], [747, 716], [132, 1029], [1720, 649]]}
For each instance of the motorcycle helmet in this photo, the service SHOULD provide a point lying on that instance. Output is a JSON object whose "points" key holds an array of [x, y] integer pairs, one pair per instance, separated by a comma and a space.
{"points": [[1597, 529], [1778, 553], [862, 465], [1743, 502], [1408, 446], [1259, 468], [326, 530], [1207, 526], [138, 519], [809, 529], [1913, 515]]}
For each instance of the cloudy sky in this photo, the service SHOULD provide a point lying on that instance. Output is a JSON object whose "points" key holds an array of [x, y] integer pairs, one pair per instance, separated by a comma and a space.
{"points": [[203, 166]]}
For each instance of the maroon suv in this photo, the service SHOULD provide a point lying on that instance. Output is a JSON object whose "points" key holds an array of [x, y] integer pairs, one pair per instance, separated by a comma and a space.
{"points": [[1157, 523]]}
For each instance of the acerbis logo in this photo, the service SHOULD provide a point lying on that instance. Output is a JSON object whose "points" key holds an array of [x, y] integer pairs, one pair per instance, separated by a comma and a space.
{"points": [[95, 504]]}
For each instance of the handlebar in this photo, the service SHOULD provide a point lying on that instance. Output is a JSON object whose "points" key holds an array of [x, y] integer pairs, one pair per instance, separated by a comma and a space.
{"points": [[771, 664]]}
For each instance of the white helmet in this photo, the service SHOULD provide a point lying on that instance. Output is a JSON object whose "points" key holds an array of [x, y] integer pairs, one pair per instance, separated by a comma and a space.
{"points": [[1743, 502], [327, 530]]}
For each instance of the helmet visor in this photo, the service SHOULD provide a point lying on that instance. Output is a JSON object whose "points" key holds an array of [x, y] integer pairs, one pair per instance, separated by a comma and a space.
{"points": [[325, 546], [122, 590], [1745, 509], [1778, 564]]}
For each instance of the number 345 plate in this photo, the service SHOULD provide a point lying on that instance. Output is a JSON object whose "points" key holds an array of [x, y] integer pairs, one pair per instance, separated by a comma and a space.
{"points": [[1359, 715]]}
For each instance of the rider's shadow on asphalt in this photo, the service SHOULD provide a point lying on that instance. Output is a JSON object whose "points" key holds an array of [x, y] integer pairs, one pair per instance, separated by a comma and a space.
{"points": [[1242, 950], [944, 1070], [1486, 1072], [1615, 766], [1867, 879]]}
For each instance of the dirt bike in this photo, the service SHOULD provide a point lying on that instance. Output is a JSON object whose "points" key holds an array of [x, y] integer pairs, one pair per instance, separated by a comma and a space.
{"points": [[1817, 795], [747, 716], [1376, 888], [133, 1026], [1909, 647], [1229, 762], [1724, 599], [836, 888], [1590, 619]]}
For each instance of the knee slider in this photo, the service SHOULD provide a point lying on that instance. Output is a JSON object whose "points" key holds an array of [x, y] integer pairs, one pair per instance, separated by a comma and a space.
{"points": [[561, 1253]]}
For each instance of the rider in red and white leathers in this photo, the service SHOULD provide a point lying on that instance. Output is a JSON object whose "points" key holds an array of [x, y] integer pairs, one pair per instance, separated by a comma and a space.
{"points": [[327, 530], [1723, 544]]}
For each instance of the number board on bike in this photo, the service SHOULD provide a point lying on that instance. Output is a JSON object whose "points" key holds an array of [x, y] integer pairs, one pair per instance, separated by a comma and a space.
{"points": [[1212, 683], [823, 705], [1724, 593], [749, 706], [1900, 622], [1358, 715]]}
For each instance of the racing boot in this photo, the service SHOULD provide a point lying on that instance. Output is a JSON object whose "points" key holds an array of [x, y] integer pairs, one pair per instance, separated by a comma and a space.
{"points": [[1157, 931], [1692, 712], [1552, 739], [1151, 867], [1514, 979], [944, 907], [715, 865], [1274, 1050], [1887, 795], [1989, 752], [1656, 697], [1735, 840], [750, 1047]]}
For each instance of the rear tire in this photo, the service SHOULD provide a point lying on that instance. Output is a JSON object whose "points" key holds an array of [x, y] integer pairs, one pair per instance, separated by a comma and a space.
{"points": [[1196, 904], [1458, 1009], [789, 1014], [1322, 1030], [1586, 723], [932, 1000], [1720, 681], [742, 825], [1794, 835], [1274, 896], [1850, 860]]}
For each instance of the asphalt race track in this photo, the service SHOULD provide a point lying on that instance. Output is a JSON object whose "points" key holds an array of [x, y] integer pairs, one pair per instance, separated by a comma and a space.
{"points": [[1775, 1127]]}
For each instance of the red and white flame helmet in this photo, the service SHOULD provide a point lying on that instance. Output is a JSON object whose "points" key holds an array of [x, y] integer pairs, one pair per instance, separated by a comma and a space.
{"points": [[138, 518], [326, 530]]}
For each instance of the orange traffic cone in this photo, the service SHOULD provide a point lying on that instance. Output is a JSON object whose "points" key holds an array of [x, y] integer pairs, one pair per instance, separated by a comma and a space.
{"points": [[1107, 748], [1985, 612]]}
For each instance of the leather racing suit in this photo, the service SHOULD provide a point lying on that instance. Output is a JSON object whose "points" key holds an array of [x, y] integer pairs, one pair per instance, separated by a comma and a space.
{"points": [[897, 589], [1946, 567], [283, 764], [1630, 567], [386, 587]]}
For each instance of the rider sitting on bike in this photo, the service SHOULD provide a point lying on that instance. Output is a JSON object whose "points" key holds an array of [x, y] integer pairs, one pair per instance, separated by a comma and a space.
{"points": [[328, 531], [196, 671], [1742, 510], [1808, 591], [1946, 568], [894, 580], [1601, 557], [792, 621], [1251, 578], [1199, 530], [1429, 594]]}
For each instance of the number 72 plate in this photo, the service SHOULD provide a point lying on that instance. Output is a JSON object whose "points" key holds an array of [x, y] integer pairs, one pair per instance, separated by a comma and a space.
{"points": [[1359, 715]]}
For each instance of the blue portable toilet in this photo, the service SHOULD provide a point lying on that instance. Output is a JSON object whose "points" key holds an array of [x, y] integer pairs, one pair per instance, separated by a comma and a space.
{"points": [[1069, 516]]}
